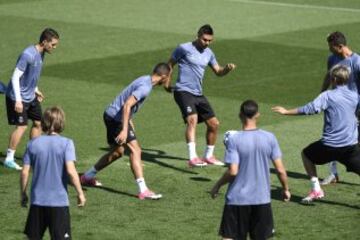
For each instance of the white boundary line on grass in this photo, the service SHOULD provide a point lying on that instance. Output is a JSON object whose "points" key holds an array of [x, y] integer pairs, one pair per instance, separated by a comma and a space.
{"points": [[291, 5]]}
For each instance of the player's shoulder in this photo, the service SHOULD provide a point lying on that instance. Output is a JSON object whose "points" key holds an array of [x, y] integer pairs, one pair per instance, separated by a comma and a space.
{"points": [[266, 133]]}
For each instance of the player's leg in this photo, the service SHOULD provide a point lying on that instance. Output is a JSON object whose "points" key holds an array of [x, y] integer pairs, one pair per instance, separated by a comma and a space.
{"points": [[261, 222], [35, 114], [187, 105], [333, 176], [316, 154], [19, 120], [206, 113], [36, 223], [116, 151], [59, 223], [137, 170], [88, 178], [235, 222]]}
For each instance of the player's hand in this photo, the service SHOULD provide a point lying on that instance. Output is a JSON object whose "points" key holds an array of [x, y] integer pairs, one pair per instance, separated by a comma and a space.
{"points": [[121, 138], [214, 192], [24, 199], [230, 66], [81, 200], [286, 195], [19, 107], [169, 89], [279, 109], [40, 97]]}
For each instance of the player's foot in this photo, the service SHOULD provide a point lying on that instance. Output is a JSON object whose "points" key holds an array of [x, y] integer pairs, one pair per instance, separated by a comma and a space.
{"points": [[12, 165], [149, 195], [332, 178], [313, 195], [213, 161], [196, 162], [92, 182]]}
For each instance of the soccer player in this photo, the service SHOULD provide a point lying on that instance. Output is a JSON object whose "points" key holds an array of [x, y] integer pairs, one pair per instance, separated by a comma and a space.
{"points": [[192, 58], [120, 129], [340, 136], [51, 158], [23, 96], [248, 154], [341, 54]]}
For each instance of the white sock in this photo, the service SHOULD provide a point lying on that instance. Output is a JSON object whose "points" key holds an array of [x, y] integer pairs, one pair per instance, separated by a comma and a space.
{"points": [[91, 173], [192, 150], [333, 169], [209, 151], [141, 184], [315, 185], [10, 155]]}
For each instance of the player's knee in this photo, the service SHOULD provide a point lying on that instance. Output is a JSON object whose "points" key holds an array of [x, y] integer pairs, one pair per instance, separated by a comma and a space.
{"points": [[36, 124], [214, 125]]}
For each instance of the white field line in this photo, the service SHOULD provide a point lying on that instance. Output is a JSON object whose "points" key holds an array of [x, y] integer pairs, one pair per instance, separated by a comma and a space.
{"points": [[291, 5]]}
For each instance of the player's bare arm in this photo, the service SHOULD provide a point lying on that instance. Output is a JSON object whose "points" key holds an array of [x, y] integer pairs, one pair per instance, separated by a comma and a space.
{"points": [[74, 177], [167, 84], [24, 177], [282, 175], [284, 111], [222, 71], [227, 177], [130, 102]]}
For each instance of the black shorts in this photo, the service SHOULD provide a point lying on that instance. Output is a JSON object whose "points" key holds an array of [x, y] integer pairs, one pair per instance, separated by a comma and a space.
{"points": [[113, 128], [40, 218], [319, 154], [191, 104], [239, 221], [31, 110]]}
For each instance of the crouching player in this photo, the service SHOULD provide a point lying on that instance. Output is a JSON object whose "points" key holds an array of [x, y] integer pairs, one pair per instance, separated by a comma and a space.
{"points": [[51, 158], [340, 136], [248, 155], [120, 129]]}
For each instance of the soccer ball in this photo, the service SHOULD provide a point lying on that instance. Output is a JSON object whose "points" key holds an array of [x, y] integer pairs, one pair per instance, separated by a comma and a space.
{"points": [[227, 135]]}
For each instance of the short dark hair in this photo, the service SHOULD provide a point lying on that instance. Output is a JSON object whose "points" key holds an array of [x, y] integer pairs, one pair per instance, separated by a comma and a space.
{"points": [[161, 69], [205, 29], [336, 39], [48, 34], [53, 120], [248, 109]]}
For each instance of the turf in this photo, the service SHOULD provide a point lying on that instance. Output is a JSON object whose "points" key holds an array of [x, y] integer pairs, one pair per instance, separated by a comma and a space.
{"points": [[280, 51]]}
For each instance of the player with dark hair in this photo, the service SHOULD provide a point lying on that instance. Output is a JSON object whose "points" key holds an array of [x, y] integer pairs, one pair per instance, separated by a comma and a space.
{"points": [[340, 136], [192, 58], [120, 129], [51, 157], [341, 54], [248, 155], [23, 96]]}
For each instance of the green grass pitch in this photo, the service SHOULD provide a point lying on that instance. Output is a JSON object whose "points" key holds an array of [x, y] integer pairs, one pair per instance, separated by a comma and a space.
{"points": [[280, 49]]}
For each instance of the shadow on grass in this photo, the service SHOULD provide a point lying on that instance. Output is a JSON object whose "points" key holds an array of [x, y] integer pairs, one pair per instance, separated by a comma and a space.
{"points": [[201, 179], [153, 156], [276, 194], [111, 190]]}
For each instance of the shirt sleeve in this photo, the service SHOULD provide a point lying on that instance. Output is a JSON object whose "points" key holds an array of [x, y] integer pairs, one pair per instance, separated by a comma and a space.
{"points": [[23, 61], [276, 151], [26, 157], [70, 151], [212, 61], [231, 153], [319, 104], [178, 53], [141, 92]]}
